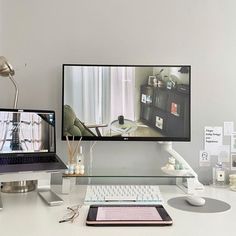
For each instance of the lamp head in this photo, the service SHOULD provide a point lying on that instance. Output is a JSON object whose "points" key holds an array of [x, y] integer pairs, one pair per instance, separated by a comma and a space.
{"points": [[6, 68]]}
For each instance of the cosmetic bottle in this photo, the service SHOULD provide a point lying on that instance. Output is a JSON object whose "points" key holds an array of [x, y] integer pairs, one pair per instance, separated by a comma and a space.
{"points": [[219, 172], [80, 161]]}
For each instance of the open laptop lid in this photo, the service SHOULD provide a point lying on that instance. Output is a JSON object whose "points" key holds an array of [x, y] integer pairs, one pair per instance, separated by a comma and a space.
{"points": [[27, 131], [25, 134]]}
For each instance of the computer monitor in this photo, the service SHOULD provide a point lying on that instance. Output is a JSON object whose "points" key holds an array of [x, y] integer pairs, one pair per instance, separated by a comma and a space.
{"points": [[126, 102], [27, 141]]}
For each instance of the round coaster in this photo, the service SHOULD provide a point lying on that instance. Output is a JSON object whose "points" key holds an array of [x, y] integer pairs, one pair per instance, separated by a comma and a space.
{"points": [[211, 205]]}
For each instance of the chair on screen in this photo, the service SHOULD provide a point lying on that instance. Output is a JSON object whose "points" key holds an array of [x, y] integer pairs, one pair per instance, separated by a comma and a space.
{"points": [[74, 127]]}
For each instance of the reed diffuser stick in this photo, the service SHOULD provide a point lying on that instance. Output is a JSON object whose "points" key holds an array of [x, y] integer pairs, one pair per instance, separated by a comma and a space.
{"points": [[69, 148], [72, 149], [77, 147]]}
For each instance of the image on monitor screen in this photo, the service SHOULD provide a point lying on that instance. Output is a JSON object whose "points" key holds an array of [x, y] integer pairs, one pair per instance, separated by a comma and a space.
{"points": [[26, 132], [131, 102]]}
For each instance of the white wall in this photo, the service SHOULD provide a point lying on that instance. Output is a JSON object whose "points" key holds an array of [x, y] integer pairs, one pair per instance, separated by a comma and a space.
{"points": [[38, 36]]}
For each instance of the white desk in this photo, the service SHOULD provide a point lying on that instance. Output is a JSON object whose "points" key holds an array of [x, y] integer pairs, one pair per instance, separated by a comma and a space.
{"points": [[26, 215]]}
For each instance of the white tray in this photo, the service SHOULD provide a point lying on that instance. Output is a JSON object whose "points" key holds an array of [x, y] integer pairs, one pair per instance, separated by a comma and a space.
{"points": [[174, 172]]}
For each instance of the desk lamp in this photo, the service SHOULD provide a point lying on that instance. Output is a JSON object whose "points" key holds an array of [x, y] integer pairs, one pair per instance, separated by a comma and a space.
{"points": [[6, 70]]}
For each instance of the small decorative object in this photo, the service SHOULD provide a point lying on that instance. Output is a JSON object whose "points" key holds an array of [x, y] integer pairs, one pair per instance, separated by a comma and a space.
{"points": [[144, 98], [161, 84], [152, 80], [72, 153], [155, 82], [175, 109], [77, 169], [169, 85], [232, 182], [171, 164], [159, 122], [81, 169], [149, 99], [80, 162], [177, 167], [219, 179], [121, 120], [173, 167], [71, 169]]}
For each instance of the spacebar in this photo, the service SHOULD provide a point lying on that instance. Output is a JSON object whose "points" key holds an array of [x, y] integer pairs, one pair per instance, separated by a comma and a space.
{"points": [[120, 199]]}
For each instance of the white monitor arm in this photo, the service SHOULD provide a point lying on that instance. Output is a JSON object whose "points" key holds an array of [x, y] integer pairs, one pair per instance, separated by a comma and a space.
{"points": [[192, 183]]}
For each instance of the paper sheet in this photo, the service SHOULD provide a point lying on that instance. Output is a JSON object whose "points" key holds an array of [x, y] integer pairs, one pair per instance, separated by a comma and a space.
{"points": [[228, 128], [233, 142], [224, 153], [213, 139]]}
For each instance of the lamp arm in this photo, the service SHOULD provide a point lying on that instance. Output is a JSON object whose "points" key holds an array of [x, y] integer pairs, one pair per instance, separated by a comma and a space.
{"points": [[16, 91]]}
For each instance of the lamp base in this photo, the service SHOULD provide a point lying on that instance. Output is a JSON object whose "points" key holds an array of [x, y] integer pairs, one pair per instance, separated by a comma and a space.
{"points": [[19, 186]]}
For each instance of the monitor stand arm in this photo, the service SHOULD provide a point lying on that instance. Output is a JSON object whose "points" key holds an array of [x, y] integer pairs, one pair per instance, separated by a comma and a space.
{"points": [[189, 185], [43, 185]]}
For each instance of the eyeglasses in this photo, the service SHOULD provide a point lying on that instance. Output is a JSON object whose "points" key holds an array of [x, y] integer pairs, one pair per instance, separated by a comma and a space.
{"points": [[72, 214]]}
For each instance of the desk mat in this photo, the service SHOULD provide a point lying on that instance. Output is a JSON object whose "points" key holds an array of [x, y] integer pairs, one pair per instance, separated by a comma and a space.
{"points": [[211, 205]]}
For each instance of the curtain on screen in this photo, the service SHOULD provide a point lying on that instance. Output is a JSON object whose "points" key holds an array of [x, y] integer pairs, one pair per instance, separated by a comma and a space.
{"points": [[99, 95]]}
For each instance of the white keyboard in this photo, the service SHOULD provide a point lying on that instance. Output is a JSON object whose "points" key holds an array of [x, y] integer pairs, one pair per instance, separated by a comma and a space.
{"points": [[123, 194]]}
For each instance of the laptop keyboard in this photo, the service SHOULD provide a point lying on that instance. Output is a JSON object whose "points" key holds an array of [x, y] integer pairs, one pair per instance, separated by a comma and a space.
{"points": [[10, 160]]}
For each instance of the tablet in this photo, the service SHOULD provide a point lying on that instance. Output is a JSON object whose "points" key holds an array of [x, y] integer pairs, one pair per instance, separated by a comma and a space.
{"points": [[105, 215]]}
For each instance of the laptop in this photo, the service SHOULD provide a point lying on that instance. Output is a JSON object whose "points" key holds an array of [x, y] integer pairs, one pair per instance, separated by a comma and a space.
{"points": [[28, 141]]}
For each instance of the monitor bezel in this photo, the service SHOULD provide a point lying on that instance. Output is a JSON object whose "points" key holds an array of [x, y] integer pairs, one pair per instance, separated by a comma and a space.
{"points": [[31, 111], [97, 138]]}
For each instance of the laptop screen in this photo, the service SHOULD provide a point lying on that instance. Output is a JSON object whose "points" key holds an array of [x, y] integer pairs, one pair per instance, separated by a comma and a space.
{"points": [[27, 131]]}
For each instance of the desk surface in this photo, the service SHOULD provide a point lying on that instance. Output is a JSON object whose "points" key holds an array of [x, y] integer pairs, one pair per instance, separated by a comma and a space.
{"points": [[27, 214]]}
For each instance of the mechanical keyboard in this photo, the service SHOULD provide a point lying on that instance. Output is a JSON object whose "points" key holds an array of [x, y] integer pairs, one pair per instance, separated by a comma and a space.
{"points": [[123, 194]]}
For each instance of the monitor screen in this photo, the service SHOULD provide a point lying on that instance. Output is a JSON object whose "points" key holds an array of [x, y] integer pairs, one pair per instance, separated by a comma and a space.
{"points": [[126, 102], [28, 131]]}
